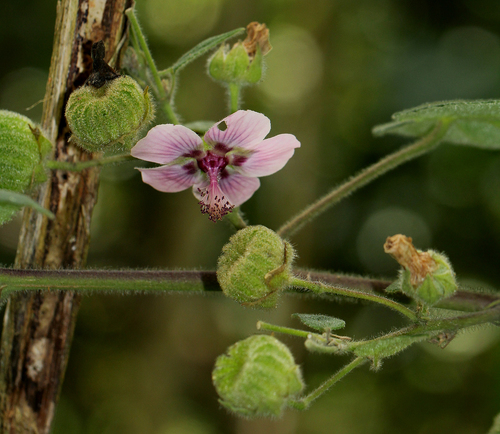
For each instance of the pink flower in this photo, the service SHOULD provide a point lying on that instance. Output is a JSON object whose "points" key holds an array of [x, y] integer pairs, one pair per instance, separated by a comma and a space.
{"points": [[223, 167]]}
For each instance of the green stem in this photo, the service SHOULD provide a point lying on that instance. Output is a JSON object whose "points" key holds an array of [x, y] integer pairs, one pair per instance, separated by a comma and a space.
{"points": [[236, 219], [82, 165], [321, 288], [366, 176], [160, 89], [457, 322], [261, 325], [119, 281], [234, 97], [304, 403], [385, 346]]}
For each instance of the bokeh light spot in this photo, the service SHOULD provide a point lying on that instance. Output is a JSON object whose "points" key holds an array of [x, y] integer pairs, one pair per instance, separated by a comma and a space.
{"points": [[181, 21], [294, 66], [469, 58]]}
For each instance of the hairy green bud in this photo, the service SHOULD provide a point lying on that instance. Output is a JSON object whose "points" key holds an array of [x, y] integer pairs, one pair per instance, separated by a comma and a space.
{"points": [[22, 150], [257, 377], [255, 266], [109, 117], [243, 63]]}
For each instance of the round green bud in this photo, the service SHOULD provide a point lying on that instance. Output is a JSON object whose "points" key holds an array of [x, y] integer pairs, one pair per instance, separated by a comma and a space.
{"points": [[22, 150], [255, 265], [109, 117], [437, 285], [257, 377]]}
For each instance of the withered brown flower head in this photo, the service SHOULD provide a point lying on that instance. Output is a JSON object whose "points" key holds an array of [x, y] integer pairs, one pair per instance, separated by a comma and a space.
{"points": [[257, 34], [419, 263]]}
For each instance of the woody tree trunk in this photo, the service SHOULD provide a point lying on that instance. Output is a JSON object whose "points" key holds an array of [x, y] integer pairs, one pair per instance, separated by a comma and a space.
{"points": [[37, 329]]}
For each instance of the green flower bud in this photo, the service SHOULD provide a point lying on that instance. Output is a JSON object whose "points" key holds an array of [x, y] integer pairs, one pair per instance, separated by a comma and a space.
{"points": [[109, 117], [229, 66], [255, 266], [22, 150], [257, 377], [243, 63], [426, 276]]}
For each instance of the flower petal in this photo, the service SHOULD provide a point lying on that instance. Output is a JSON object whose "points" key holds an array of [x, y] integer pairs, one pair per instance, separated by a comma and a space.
{"points": [[238, 188], [244, 128], [270, 155], [171, 179], [164, 143]]}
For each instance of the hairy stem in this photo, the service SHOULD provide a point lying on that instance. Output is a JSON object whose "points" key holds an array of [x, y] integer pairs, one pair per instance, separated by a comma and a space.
{"points": [[261, 325], [82, 165], [19, 280], [90, 281], [444, 328], [321, 288], [234, 97], [366, 176], [304, 403], [164, 99], [236, 219]]}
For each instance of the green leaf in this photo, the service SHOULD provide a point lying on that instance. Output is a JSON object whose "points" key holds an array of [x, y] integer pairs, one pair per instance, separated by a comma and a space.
{"points": [[472, 123], [17, 199], [385, 346], [320, 322], [203, 47], [394, 286]]}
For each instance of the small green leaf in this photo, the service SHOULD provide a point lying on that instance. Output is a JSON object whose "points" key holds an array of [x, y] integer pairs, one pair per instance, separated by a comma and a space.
{"points": [[17, 199], [394, 286], [320, 322], [472, 123], [385, 346], [203, 47]]}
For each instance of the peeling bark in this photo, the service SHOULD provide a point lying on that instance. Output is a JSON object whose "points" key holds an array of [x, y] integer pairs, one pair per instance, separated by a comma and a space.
{"points": [[38, 329]]}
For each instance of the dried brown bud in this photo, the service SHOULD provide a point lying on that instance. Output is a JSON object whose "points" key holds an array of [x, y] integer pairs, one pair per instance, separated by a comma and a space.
{"points": [[426, 276], [257, 35], [419, 263]]}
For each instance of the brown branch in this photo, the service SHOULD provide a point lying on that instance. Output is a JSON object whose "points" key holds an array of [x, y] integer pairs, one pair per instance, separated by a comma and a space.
{"points": [[38, 328]]}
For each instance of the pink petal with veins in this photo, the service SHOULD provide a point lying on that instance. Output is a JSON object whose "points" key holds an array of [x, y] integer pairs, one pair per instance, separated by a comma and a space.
{"points": [[164, 143], [270, 155], [235, 188], [244, 128], [238, 188], [171, 179]]}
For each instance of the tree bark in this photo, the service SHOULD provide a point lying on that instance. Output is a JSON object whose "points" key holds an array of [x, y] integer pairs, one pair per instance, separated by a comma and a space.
{"points": [[38, 328]]}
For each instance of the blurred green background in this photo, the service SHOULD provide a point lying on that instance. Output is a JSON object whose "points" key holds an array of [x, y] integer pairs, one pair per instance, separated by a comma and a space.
{"points": [[142, 364]]}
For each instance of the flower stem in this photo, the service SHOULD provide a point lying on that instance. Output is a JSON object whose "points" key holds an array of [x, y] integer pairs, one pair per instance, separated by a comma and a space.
{"points": [[321, 288], [160, 89], [304, 403], [367, 175], [82, 165], [236, 219], [261, 325], [234, 97]]}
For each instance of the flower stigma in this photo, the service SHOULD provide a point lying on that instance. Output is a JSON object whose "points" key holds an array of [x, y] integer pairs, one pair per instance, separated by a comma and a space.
{"points": [[213, 202]]}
